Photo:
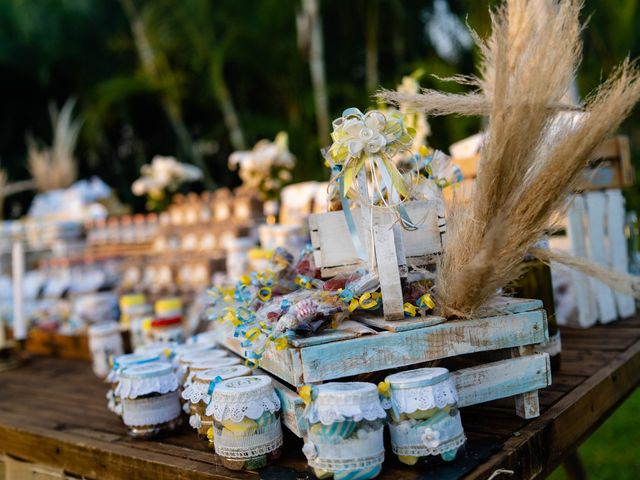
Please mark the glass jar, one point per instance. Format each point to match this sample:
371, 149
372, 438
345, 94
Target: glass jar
119, 363
105, 341
425, 422
150, 399
184, 360
344, 434
134, 310
166, 330
247, 432
198, 394
201, 365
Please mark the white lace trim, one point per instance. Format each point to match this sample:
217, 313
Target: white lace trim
242, 405
138, 412
425, 437
361, 450
197, 392
263, 441
440, 395
137, 387
333, 413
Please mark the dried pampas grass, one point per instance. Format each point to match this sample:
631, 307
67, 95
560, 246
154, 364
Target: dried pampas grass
531, 156
56, 166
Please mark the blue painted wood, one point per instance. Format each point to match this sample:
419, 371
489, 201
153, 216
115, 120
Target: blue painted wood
397, 349
400, 325
323, 337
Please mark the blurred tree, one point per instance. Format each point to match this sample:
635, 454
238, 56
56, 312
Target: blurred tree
229, 73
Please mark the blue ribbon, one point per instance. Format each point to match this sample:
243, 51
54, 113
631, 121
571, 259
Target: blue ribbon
355, 239
213, 383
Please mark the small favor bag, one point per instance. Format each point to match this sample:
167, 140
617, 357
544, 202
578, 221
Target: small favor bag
198, 394
425, 422
344, 436
246, 422
150, 402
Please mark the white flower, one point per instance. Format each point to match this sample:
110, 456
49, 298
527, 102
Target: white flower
310, 451
430, 438
195, 421
164, 173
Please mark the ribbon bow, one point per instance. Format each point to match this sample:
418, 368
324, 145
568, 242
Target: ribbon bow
213, 383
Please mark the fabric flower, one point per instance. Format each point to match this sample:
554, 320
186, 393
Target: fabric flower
430, 438
310, 451
195, 421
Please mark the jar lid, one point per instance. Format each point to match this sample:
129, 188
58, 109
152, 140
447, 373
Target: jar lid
421, 377
203, 365
191, 347
237, 398
421, 389
103, 329
139, 380
147, 370
338, 401
127, 359
132, 300
224, 372
166, 322
165, 305
209, 354
165, 349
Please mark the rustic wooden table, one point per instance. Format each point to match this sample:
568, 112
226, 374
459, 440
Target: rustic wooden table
54, 412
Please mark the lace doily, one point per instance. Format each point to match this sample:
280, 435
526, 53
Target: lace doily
362, 450
150, 411
199, 367
197, 392
128, 359
241, 397
264, 440
435, 436
336, 402
138, 380
422, 389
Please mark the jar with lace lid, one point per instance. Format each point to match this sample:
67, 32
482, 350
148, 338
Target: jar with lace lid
246, 422
344, 430
105, 342
425, 422
165, 350
150, 399
185, 360
119, 363
198, 394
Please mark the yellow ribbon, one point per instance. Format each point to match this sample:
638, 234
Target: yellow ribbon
264, 293
410, 310
425, 301
305, 394
281, 343
252, 334
383, 389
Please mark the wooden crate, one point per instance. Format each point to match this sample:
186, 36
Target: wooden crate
53, 344
512, 326
595, 223
394, 250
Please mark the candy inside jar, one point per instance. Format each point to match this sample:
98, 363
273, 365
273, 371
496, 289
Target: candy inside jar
425, 422
198, 393
344, 436
247, 432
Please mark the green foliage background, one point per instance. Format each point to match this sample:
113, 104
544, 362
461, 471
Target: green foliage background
55, 49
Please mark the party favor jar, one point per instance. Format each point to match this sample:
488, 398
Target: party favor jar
198, 394
246, 422
425, 422
104, 341
345, 423
120, 363
185, 360
150, 402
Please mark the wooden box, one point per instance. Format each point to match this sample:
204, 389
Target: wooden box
512, 326
53, 344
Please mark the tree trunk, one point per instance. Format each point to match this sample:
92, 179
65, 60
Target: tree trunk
372, 80
316, 64
225, 101
149, 62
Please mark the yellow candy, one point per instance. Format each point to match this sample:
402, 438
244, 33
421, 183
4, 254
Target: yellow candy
408, 460
240, 429
422, 414
322, 474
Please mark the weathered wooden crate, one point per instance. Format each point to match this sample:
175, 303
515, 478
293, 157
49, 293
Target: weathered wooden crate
513, 326
595, 224
394, 250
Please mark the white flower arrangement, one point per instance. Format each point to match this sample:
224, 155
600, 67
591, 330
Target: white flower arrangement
163, 175
267, 167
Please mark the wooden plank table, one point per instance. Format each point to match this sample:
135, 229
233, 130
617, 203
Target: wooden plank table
54, 412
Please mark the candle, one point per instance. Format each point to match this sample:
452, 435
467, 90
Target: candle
17, 265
